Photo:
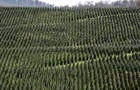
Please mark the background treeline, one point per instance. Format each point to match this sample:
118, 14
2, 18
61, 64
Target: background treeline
117, 3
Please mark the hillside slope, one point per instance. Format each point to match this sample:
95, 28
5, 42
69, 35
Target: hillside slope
69, 49
23, 3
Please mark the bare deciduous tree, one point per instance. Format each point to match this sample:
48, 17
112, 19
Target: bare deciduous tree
138, 2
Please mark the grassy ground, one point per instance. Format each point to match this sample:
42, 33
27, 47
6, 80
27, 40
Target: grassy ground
69, 49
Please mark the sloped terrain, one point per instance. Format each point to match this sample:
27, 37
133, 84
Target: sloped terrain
69, 49
23, 3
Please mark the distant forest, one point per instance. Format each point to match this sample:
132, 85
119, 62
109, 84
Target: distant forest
117, 3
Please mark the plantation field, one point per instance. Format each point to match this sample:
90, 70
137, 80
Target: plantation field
69, 49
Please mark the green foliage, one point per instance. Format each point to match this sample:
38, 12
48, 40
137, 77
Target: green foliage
69, 49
